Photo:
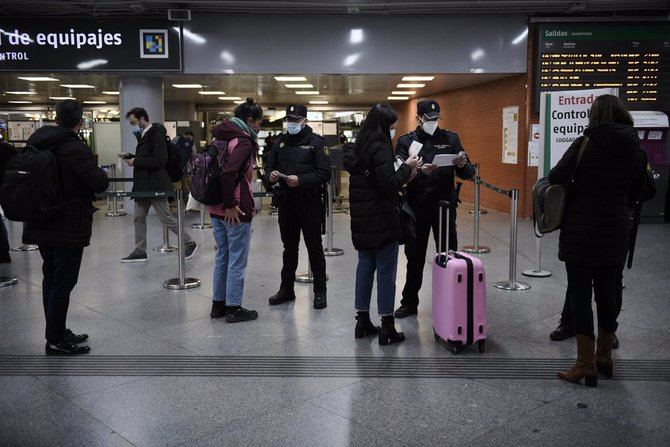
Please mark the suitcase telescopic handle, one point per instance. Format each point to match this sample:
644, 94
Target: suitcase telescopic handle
443, 231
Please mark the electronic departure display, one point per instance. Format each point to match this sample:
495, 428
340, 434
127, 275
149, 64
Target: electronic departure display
633, 57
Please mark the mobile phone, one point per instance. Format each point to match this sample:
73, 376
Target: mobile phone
126, 155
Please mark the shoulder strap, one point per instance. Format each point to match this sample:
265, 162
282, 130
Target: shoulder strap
582, 148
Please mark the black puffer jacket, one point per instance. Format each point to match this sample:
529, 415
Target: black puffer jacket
150, 173
373, 197
597, 222
80, 177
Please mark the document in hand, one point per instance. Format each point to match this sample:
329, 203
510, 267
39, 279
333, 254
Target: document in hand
445, 159
414, 148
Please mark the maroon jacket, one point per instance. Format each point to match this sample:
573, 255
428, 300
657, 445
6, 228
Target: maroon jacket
235, 184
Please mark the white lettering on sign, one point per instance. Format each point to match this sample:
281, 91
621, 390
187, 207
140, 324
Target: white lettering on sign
68, 39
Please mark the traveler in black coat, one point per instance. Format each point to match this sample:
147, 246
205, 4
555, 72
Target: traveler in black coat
61, 241
7, 151
596, 227
374, 193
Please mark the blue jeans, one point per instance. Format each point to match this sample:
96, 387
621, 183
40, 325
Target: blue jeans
385, 262
232, 252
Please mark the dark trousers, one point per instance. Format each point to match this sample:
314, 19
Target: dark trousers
302, 214
566, 314
61, 271
415, 250
4, 241
581, 279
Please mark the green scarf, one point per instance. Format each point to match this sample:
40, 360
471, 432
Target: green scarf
244, 126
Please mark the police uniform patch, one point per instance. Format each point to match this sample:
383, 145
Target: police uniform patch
281, 145
432, 106
292, 109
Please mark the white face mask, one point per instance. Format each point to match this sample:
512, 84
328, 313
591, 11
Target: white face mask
429, 127
392, 133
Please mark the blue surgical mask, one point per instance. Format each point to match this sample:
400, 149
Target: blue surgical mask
136, 129
293, 128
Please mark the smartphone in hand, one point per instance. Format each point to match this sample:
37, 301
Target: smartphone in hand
126, 155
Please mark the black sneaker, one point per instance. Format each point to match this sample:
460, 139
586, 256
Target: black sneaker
405, 311
5, 259
189, 250
135, 257
73, 338
320, 301
66, 348
615, 342
218, 309
236, 314
282, 297
564, 331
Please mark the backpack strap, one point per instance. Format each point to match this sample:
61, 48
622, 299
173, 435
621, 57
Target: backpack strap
580, 154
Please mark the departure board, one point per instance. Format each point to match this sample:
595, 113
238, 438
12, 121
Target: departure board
633, 57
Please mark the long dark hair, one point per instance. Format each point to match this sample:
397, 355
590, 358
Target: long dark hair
609, 109
376, 127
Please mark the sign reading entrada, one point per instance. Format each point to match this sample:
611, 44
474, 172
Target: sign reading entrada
89, 45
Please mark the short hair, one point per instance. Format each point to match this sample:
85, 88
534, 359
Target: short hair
69, 113
188, 132
609, 109
138, 112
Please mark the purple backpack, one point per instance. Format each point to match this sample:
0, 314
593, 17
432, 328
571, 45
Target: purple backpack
206, 172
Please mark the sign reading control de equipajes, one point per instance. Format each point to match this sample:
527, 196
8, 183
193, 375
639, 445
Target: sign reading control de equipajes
89, 45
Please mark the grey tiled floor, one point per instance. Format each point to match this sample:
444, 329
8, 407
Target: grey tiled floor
127, 312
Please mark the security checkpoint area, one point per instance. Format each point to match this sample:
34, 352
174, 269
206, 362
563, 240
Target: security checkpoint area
199, 331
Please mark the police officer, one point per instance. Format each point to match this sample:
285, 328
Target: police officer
426, 190
299, 167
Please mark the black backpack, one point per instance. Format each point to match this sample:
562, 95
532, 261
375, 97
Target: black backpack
30, 191
173, 165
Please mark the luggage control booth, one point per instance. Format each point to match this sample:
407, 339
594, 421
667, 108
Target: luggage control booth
652, 128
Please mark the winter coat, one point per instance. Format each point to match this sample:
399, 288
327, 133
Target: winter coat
80, 178
597, 222
150, 172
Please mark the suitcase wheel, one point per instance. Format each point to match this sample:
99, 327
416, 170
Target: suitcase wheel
453, 348
481, 344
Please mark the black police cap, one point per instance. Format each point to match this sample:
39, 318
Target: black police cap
429, 108
296, 111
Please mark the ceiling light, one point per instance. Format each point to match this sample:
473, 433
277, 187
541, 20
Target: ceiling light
109, 92
351, 59
356, 36
398, 92
477, 54
20, 102
239, 102
87, 65
94, 102
418, 78
21, 93
319, 102
411, 85
212, 92
307, 92
299, 86
290, 78
37, 78
61, 98
77, 86
229, 98
397, 98
187, 85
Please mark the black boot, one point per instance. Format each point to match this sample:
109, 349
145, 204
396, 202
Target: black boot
320, 301
405, 311
364, 326
388, 334
236, 314
73, 338
218, 309
284, 295
615, 342
564, 330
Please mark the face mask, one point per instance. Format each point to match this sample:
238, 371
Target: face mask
256, 128
392, 133
429, 127
136, 129
293, 128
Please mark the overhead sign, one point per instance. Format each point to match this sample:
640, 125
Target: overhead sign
564, 116
89, 45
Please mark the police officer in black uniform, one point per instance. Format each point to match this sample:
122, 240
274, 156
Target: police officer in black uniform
426, 190
299, 167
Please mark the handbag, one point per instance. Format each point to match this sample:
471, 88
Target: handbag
549, 200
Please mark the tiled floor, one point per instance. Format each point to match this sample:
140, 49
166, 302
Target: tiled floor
127, 312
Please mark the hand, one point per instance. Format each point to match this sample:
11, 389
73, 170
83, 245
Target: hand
232, 215
130, 161
413, 162
274, 176
461, 161
292, 181
428, 168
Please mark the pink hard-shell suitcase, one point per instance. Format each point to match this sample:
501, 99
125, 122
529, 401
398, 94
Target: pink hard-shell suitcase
459, 294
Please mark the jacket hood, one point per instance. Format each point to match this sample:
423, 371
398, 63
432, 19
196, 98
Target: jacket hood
616, 138
228, 130
156, 128
49, 137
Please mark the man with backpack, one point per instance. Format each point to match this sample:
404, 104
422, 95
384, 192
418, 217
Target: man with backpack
150, 174
7, 151
184, 143
61, 237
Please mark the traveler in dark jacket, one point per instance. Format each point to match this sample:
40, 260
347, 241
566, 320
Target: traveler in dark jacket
61, 241
374, 188
596, 228
432, 185
185, 144
150, 175
231, 219
7, 151
299, 167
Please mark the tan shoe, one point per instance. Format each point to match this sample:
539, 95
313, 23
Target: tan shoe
585, 366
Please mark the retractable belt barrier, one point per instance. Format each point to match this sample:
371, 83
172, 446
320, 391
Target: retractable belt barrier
181, 282
475, 247
330, 228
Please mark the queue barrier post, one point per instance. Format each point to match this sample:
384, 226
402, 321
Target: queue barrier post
476, 210
511, 283
330, 230
537, 272
307, 277
25, 247
475, 247
7, 281
181, 282
166, 247
202, 225
114, 211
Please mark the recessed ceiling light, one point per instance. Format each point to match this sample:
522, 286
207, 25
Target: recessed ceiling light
187, 85
21, 93
107, 92
94, 102
239, 102
318, 101
299, 86
307, 92
61, 98
397, 98
411, 85
77, 86
37, 78
212, 92
418, 78
398, 92
20, 102
229, 98
290, 78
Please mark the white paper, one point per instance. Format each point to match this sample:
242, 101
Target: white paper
445, 159
414, 148
510, 137
655, 134
534, 145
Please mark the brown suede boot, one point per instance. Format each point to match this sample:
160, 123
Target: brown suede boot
604, 353
585, 366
